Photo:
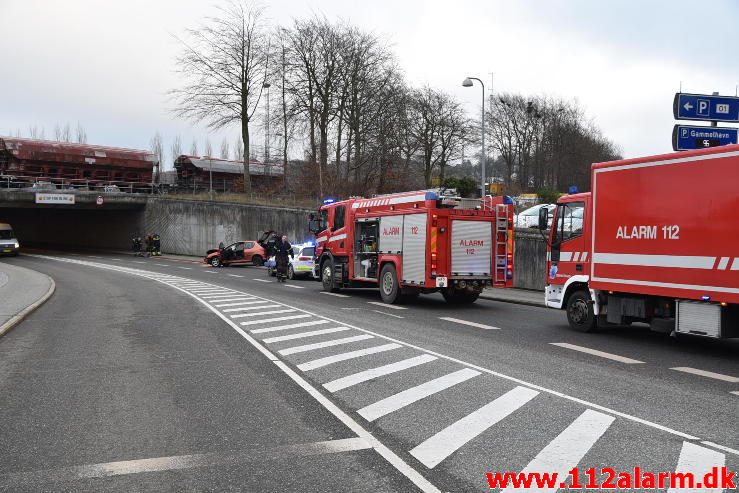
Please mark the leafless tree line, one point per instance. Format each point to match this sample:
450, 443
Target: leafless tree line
544, 143
340, 100
62, 133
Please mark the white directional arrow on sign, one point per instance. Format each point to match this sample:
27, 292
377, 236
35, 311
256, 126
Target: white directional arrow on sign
688, 106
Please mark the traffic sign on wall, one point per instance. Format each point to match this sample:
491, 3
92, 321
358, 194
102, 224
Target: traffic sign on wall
705, 107
687, 137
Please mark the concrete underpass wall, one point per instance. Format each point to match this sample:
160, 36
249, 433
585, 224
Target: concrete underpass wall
191, 228
89, 228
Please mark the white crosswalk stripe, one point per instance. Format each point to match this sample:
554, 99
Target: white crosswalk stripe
301, 335
223, 300
699, 461
328, 360
276, 319
414, 394
325, 344
247, 301
568, 448
371, 374
290, 326
253, 305
441, 445
260, 314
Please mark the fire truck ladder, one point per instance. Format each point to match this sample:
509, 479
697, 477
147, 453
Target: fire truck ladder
501, 244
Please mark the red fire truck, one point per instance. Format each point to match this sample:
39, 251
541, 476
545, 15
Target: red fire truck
415, 242
654, 242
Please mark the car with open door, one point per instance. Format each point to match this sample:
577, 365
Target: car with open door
245, 252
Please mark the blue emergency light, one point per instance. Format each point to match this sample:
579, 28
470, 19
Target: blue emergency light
329, 200
572, 190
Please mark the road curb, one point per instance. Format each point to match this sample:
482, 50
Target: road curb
514, 301
20, 316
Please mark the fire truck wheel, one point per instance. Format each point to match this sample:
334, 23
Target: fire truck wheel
389, 289
580, 312
327, 276
215, 262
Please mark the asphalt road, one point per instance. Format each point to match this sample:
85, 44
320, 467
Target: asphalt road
150, 358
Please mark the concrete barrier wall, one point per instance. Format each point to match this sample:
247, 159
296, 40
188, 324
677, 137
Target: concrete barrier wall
529, 259
192, 228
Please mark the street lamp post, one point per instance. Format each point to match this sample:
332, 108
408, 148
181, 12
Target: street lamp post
468, 83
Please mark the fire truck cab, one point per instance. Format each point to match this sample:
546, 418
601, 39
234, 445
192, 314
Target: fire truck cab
415, 242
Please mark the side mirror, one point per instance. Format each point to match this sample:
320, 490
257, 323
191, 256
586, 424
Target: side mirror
543, 218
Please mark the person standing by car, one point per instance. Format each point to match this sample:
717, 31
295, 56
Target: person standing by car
284, 248
157, 244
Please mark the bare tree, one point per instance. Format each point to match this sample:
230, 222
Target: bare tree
35, 133
238, 149
175, 148
156, 147
225, 149
194, 147
80, 134
208, 148
225, 65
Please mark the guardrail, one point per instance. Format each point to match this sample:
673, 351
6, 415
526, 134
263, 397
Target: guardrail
47, 184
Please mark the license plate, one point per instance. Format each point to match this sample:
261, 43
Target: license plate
441, 282
7, 250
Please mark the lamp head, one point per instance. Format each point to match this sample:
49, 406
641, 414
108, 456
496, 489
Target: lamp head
467, 82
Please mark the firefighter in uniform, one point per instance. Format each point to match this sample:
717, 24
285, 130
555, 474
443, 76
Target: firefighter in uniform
156, 245
284, 248
136, 245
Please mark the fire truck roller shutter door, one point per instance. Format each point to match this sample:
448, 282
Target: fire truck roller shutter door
471, 241
414, 248
391, 234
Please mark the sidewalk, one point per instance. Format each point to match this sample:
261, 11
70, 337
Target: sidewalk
21, 292
515, 295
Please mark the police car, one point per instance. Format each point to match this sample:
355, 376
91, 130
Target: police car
301, 265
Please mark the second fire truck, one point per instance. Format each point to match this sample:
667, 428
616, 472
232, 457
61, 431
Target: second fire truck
416, 242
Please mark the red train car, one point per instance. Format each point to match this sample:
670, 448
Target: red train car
45, 160
197, 173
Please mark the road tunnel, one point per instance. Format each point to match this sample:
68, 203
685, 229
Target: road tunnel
86, 223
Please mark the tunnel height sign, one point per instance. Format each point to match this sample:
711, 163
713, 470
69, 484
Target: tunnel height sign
55, 198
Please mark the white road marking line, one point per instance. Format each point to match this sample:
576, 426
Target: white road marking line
138, 262
338, 295
209, 294
300, 335
245, 302
247, 308
372, 373
290, 326
205, 290
699, 461
595, 352
234, 275
262, 280
328, 360
221, 300
388, 314
709, 374
471, 324
735, 392
179, 462
259, 314
116, 259
414, 394
162, 265
444, 443
390, 456
186, 268
276, 319
568, 448
386, 305
211, 272
721, 447
325, 344
293, 286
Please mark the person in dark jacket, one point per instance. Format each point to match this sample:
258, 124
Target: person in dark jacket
284, 249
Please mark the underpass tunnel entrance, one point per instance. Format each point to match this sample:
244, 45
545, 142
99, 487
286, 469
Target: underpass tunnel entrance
63, 228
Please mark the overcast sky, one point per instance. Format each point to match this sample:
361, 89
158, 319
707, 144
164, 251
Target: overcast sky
109, 64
